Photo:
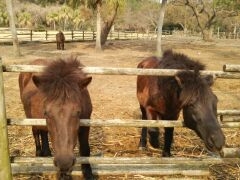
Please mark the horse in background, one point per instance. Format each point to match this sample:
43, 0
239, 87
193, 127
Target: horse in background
60, 39
59, 94
164, 97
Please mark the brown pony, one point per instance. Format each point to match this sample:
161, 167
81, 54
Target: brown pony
60, 39
164, 97
59, 94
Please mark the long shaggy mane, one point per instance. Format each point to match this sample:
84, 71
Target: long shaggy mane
195, 87
61, 79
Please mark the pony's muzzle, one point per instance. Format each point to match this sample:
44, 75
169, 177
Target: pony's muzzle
65, 162
216, 141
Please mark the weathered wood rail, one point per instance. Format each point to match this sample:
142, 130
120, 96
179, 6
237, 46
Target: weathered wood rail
117, 123
123, 71
125, 165
231, 68
108, 165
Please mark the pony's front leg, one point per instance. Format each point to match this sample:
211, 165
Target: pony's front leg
143, 139
58, 45
168, 138
45, 144
62, 45
153, 131
83, 136
36, 135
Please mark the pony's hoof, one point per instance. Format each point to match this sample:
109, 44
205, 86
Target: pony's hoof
154, 143
63, 176
46, 154
38, 153
166, 154
142, 148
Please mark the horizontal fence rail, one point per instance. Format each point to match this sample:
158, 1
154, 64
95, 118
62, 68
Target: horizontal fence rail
122, 71
132, 160
125, 165
117, 123
231, 68
116, 169
129, 122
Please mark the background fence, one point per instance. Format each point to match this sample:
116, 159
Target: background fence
112, 165
25, 35
28, 35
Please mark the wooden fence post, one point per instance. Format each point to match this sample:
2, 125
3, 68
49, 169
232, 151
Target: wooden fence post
93, 35
31, 34
5, 167
72, 34
46, 35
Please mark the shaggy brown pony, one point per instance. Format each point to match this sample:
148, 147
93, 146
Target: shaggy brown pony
60, 39
164, 97
59, 94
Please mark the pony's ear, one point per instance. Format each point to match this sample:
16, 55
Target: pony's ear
179, 81
209, 79
37, 80
84, 82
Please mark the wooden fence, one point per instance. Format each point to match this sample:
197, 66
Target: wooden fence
25, 35
28, 35
113, 165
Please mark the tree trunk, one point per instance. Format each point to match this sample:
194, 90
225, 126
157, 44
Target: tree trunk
160, 25
108, 25
98, 46
11, 15
205, 19
207, 34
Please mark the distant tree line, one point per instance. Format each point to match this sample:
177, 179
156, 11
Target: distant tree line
139, 15
203, 16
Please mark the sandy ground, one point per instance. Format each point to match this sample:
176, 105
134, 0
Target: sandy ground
115, 97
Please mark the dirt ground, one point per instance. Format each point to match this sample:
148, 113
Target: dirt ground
115, 97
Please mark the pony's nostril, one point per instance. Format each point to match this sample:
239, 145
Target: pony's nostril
55, 162
74, 161
211, 141
212, 138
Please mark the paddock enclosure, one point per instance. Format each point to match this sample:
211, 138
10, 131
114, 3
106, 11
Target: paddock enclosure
114, 98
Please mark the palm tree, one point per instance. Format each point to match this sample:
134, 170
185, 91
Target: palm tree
52, 18
77, 19
3, 17
11, 16
25, 19
65, 14
102, 31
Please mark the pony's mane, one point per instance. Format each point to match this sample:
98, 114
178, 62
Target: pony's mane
61, 79
195, 87
172, 60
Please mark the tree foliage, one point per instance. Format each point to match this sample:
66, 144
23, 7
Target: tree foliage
140, 15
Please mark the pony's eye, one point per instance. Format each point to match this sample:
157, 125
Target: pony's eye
78, 113
45, 113
191, 106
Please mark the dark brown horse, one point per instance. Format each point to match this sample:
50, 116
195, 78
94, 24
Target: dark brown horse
60, 95
164, 98
60, 39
